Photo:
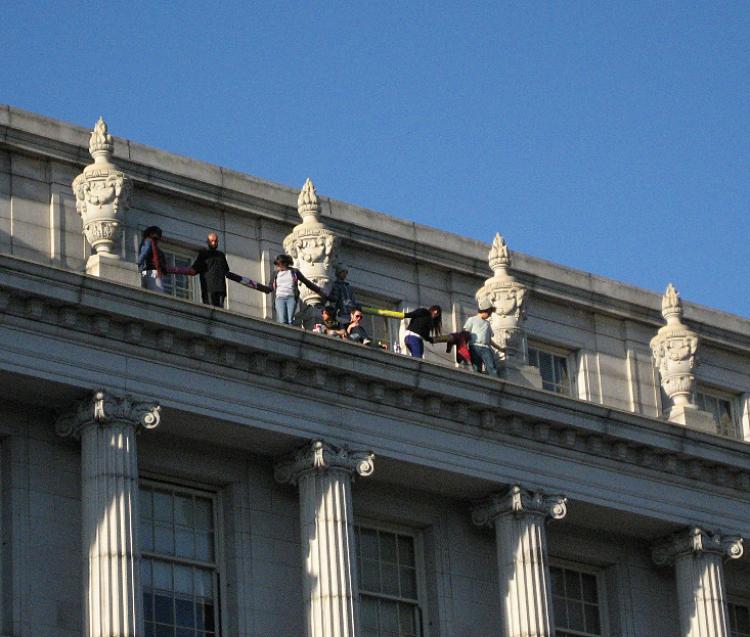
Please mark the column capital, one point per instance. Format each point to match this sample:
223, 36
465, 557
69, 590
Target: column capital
693, 541
519, 501
102, 408
322, 456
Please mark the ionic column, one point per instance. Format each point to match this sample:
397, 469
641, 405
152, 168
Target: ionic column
697, 556
519, 518
324, 475
109, 499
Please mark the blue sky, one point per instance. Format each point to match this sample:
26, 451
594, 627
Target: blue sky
612, 137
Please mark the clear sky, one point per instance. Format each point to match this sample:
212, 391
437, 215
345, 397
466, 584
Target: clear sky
612, 137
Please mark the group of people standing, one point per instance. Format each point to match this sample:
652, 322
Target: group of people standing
342, 316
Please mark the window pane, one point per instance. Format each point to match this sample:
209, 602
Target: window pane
148, 606
184, 542
406, 619
390, 578
575, 615
588, 582
183, 579
162, 507
388, 547
146, 536
162, 576
164, 609
203, 514
369, 610
370, 574
204, 546
389, 616
368, 543
572, 585
183, 510
561, 612
145, 502
405, 551
164, 539
591, 614
185, 611
408, 582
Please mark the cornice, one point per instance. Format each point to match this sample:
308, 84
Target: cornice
207, 183
125, 318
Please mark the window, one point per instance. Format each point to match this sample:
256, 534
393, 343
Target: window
739, 620
180, 286
388, 583
576, 601
721, 407
379, 328
553, 365
178, 571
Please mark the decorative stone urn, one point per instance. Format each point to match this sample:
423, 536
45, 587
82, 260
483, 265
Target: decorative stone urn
508, 298
102, 196
674, 349
313, 247
102, 192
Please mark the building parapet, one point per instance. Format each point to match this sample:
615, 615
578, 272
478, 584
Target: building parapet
125, 319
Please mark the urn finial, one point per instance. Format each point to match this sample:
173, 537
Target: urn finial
101, 143
671, 305
307, 202
499, 256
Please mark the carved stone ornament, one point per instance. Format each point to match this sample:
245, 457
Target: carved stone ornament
101, 408
693, 541
674, 348
102, 193
312, 245
321, 456
508, 298
519, 501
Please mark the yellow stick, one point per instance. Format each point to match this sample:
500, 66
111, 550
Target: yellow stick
378, 312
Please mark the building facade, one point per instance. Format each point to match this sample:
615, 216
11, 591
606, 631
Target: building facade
173, 469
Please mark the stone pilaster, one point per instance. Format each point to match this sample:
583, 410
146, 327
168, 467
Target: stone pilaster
508, 299
674, 349
107, 427
324, 475
102, 197
698, 556
519, 518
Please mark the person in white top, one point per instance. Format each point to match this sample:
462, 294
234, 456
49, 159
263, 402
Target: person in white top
285, 286
481, 339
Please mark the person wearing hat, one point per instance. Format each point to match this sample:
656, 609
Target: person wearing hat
342, 295
481, 339
285, 287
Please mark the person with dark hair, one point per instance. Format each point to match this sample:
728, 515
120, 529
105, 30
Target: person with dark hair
285, 287
425, 324
330, 325
151, 262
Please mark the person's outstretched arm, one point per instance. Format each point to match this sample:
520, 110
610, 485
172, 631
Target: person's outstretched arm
247, 282
302, 278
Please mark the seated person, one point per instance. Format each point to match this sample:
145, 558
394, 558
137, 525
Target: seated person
355, 331
330, 325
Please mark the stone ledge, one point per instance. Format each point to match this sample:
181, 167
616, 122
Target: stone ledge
205, 182
223, 343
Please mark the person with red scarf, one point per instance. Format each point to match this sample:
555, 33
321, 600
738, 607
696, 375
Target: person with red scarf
151, 261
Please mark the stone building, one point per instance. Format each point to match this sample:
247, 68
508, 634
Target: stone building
169, 468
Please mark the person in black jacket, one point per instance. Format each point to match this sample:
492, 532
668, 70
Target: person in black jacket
212, 268
425, 324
